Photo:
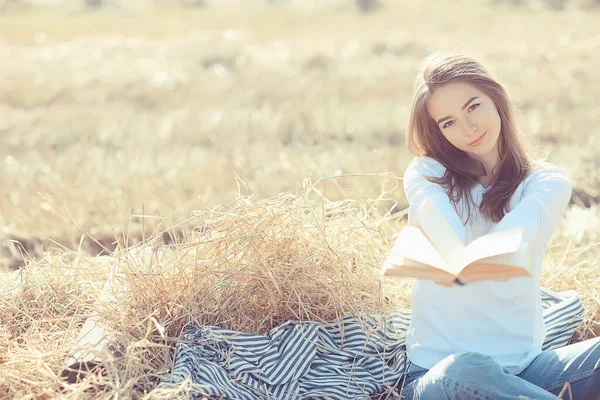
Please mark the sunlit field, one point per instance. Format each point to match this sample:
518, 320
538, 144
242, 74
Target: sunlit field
259, 142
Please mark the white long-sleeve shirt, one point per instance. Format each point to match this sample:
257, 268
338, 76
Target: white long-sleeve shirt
501, 319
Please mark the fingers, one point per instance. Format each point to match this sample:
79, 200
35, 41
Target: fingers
450, 284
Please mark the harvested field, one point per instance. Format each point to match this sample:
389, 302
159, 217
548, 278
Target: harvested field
239, 164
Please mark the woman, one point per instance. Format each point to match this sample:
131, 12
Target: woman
483, 340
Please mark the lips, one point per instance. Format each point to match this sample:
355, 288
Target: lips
478, 140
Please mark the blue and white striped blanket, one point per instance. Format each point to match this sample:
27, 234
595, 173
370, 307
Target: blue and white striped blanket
359, 357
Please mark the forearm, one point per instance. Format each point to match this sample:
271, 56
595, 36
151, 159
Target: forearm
544, 201
418, 188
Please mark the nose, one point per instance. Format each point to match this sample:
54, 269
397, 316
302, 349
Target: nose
470, 126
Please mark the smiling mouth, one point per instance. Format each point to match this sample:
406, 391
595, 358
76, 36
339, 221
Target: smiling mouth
478, 140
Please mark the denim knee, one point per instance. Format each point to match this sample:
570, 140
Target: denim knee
457, 365
458, 376
471, 357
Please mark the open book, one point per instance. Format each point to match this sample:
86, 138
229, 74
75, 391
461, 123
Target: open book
434, 251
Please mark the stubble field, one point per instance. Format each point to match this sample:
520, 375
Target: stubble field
283, 122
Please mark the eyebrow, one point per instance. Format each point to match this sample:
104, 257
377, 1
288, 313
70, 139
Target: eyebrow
462, 108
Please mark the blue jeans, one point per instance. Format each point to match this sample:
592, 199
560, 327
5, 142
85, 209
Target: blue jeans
475, 376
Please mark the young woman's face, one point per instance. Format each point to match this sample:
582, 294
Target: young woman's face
468, 118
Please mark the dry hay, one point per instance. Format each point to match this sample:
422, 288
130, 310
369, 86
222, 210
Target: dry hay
249, 266
572, 264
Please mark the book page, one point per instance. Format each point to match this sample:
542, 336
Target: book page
442, 236
413, 244
508, 265
414, 269
493, 244
401, 266
492, 272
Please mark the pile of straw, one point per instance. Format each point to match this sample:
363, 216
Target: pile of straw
249, 266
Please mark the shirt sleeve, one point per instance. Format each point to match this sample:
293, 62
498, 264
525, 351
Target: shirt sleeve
546, 194
417, 189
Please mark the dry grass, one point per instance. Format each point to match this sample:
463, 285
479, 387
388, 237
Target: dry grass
136, 133
249, 266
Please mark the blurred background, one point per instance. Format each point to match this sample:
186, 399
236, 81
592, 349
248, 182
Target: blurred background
118, 117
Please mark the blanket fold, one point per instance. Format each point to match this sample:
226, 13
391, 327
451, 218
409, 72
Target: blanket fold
358, 357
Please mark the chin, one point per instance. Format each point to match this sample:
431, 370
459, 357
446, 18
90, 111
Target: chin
479, 151
484, 148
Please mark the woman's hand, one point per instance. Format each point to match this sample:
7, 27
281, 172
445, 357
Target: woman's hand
450, 284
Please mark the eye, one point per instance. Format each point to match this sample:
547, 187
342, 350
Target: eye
447, 124
473, 106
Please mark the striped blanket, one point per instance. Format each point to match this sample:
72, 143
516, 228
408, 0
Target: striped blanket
359, 357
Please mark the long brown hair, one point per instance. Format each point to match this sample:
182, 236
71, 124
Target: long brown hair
424, 137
